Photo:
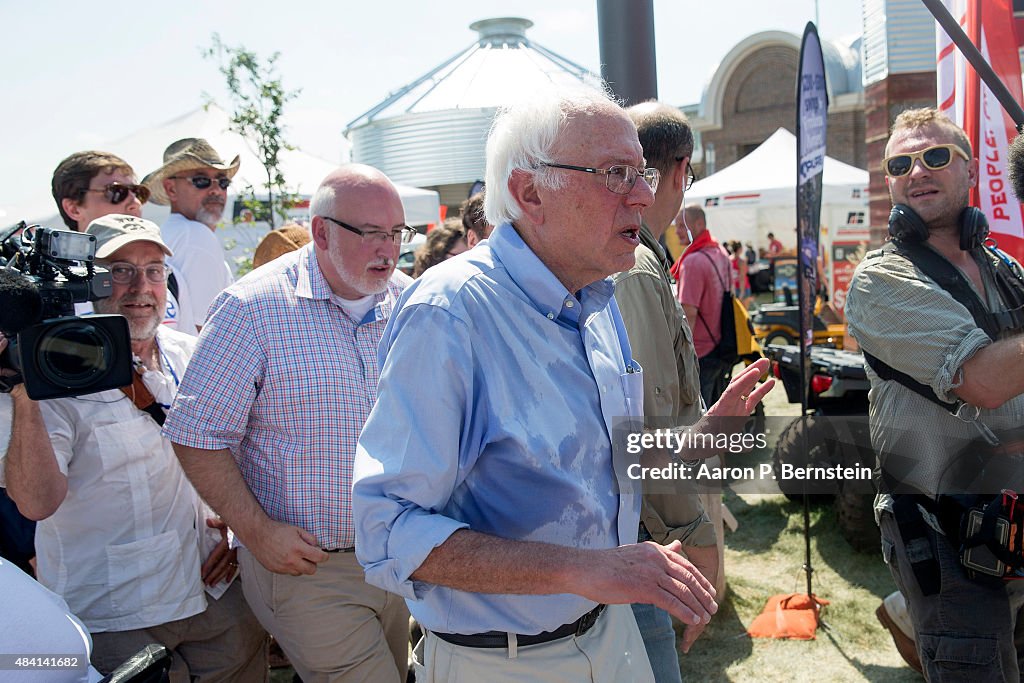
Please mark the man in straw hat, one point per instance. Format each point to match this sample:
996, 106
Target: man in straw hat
194, 180
122, 535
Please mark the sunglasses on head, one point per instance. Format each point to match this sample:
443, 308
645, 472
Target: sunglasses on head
201, 182
116, 193
934, 158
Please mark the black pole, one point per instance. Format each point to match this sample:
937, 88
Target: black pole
808, 569
626, 30
977, 60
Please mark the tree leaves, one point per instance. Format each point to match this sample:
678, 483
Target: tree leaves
258, 98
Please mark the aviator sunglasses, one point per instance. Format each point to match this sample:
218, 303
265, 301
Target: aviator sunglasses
116, 193
201, 182
934, 158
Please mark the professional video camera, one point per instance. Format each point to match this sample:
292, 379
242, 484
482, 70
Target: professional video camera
44, 273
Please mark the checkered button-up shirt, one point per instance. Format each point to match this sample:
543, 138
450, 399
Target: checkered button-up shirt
285, 379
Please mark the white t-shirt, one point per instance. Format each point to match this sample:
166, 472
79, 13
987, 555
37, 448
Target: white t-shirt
355, 308
123, 547
35, 621
199, 262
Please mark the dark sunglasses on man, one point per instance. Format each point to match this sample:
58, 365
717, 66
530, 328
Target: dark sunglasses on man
201, 182
116, 193
934, 158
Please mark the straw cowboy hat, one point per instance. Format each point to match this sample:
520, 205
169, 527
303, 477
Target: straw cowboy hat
185, 155
279, 242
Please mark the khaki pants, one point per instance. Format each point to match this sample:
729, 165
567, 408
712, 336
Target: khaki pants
332, 625
223, 643
611, 652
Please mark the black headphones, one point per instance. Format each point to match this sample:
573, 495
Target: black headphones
906, 226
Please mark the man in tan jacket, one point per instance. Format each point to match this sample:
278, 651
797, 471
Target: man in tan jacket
663, 344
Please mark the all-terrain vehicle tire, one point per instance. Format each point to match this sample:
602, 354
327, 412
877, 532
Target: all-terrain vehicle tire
779, 338
789, 451
856, 518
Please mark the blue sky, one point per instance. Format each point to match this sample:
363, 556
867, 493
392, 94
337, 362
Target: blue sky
78, 74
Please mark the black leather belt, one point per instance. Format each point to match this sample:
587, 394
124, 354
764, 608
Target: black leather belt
495, 639
340, 550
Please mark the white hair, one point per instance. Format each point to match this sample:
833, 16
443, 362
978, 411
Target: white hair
522, 137
322, 203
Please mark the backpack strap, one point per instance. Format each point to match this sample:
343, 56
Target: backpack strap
172, 287
719, 275
947, 276
888, 372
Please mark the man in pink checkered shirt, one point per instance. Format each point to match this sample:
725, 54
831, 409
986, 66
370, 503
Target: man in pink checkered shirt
267, 420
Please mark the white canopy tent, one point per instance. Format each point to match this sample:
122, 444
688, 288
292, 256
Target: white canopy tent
303, 172
757, 195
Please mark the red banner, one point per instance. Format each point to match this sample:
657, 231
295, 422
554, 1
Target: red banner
967, 100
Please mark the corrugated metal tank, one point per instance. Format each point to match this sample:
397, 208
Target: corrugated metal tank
899, 37
432, 132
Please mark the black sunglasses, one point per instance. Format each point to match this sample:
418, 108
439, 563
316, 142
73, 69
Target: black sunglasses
201, 182
116, 193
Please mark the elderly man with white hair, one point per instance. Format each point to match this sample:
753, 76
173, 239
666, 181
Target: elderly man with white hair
485, 485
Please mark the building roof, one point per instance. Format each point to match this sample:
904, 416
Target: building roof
498, 68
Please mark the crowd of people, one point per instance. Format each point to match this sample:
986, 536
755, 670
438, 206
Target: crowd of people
326, 446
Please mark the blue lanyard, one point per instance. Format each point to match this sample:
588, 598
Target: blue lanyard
170, 368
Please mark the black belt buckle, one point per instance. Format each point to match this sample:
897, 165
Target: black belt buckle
588, 620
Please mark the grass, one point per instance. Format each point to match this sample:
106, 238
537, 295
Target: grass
765, 556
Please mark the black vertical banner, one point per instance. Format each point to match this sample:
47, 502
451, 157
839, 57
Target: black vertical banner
811, 127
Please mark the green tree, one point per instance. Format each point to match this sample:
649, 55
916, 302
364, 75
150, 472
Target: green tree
258, 99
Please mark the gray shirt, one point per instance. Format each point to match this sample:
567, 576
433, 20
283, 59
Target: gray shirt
904, 318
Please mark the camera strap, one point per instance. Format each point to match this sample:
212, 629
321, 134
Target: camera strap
142, 398
8, 382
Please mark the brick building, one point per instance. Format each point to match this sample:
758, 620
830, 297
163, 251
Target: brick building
752, 93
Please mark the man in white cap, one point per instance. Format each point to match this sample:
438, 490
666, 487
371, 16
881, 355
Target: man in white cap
194, 180
122, 535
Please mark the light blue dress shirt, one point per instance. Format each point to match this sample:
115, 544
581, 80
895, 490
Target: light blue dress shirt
498, 397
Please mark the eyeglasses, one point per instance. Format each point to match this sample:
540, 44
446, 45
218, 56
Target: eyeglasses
691, 175
934, 158
116, 193
403, 235
201, 182
124, 273
619, 178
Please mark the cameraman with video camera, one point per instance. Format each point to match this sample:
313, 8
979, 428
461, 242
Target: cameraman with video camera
938, 316
122, 535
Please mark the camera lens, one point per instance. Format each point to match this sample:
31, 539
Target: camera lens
74, 353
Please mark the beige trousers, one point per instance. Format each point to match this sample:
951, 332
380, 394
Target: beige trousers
224, 643
332, 625
611, 652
